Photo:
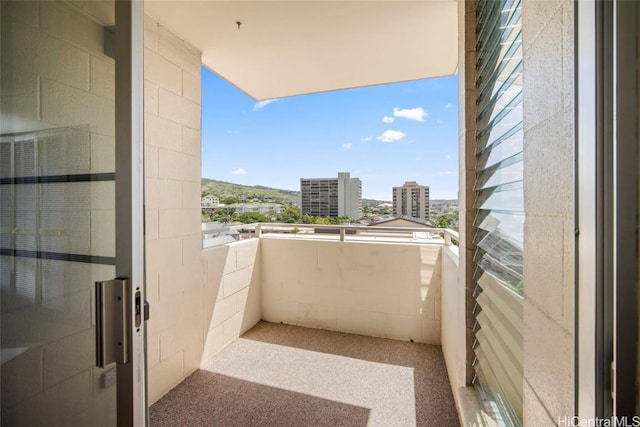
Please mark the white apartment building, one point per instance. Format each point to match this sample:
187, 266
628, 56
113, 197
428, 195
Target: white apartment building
211, 202
411, 200
331, 197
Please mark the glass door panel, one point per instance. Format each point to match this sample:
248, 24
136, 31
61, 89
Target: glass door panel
57, 210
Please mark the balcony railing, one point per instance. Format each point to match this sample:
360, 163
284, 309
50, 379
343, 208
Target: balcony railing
355, 232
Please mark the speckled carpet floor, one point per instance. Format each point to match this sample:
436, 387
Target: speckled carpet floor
281, 375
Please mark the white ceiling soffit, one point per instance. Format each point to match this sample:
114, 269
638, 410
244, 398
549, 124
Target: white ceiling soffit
284, 48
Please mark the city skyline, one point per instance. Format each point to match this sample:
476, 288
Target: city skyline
385, 135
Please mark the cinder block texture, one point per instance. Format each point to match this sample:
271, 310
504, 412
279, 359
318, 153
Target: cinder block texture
378, 289
175, 265
231, 299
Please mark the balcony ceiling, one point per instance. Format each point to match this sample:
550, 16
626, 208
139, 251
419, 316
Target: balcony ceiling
286, 48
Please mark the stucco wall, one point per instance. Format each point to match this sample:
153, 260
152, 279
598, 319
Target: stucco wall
549, 253
378, 289
172, 198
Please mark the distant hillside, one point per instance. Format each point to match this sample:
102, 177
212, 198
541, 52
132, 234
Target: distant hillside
276, 195
372, 202
247, 192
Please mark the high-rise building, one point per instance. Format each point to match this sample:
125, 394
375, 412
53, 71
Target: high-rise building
331, 197
411, 200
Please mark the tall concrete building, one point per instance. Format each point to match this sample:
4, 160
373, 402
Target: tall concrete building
411, 200
331, 197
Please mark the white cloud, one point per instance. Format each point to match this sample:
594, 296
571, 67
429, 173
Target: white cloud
366, 138
449, 105
439, 121
418, 114
262, 104
391, 135
239, 171
387, 119
347, 146
453, 172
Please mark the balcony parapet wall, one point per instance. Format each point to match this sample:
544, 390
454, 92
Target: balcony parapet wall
385, 285
389, 289
231, 304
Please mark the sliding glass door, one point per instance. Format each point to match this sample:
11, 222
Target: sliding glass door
59, 186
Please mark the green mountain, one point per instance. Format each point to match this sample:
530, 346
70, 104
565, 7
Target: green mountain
246, 193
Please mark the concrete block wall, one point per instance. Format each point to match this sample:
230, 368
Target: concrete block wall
549, 252
231, 303
453, 318
378, 289
175, 287
467, 170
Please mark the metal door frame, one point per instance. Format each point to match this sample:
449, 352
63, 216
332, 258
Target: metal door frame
607, 209
131, 377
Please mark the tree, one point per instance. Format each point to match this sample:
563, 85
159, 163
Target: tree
223, 215
446, 220
251, 217
441, 222
308, 219
290, 214
230, 200
321, 220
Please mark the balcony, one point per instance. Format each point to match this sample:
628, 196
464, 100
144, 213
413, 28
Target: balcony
328, 325
58, 76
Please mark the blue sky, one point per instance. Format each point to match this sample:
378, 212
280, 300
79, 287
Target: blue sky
384, 135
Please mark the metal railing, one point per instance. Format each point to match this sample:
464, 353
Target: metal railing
449, 236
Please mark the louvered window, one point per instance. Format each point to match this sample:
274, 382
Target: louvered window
499, 206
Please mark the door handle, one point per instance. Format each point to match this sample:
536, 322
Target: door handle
113, 321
